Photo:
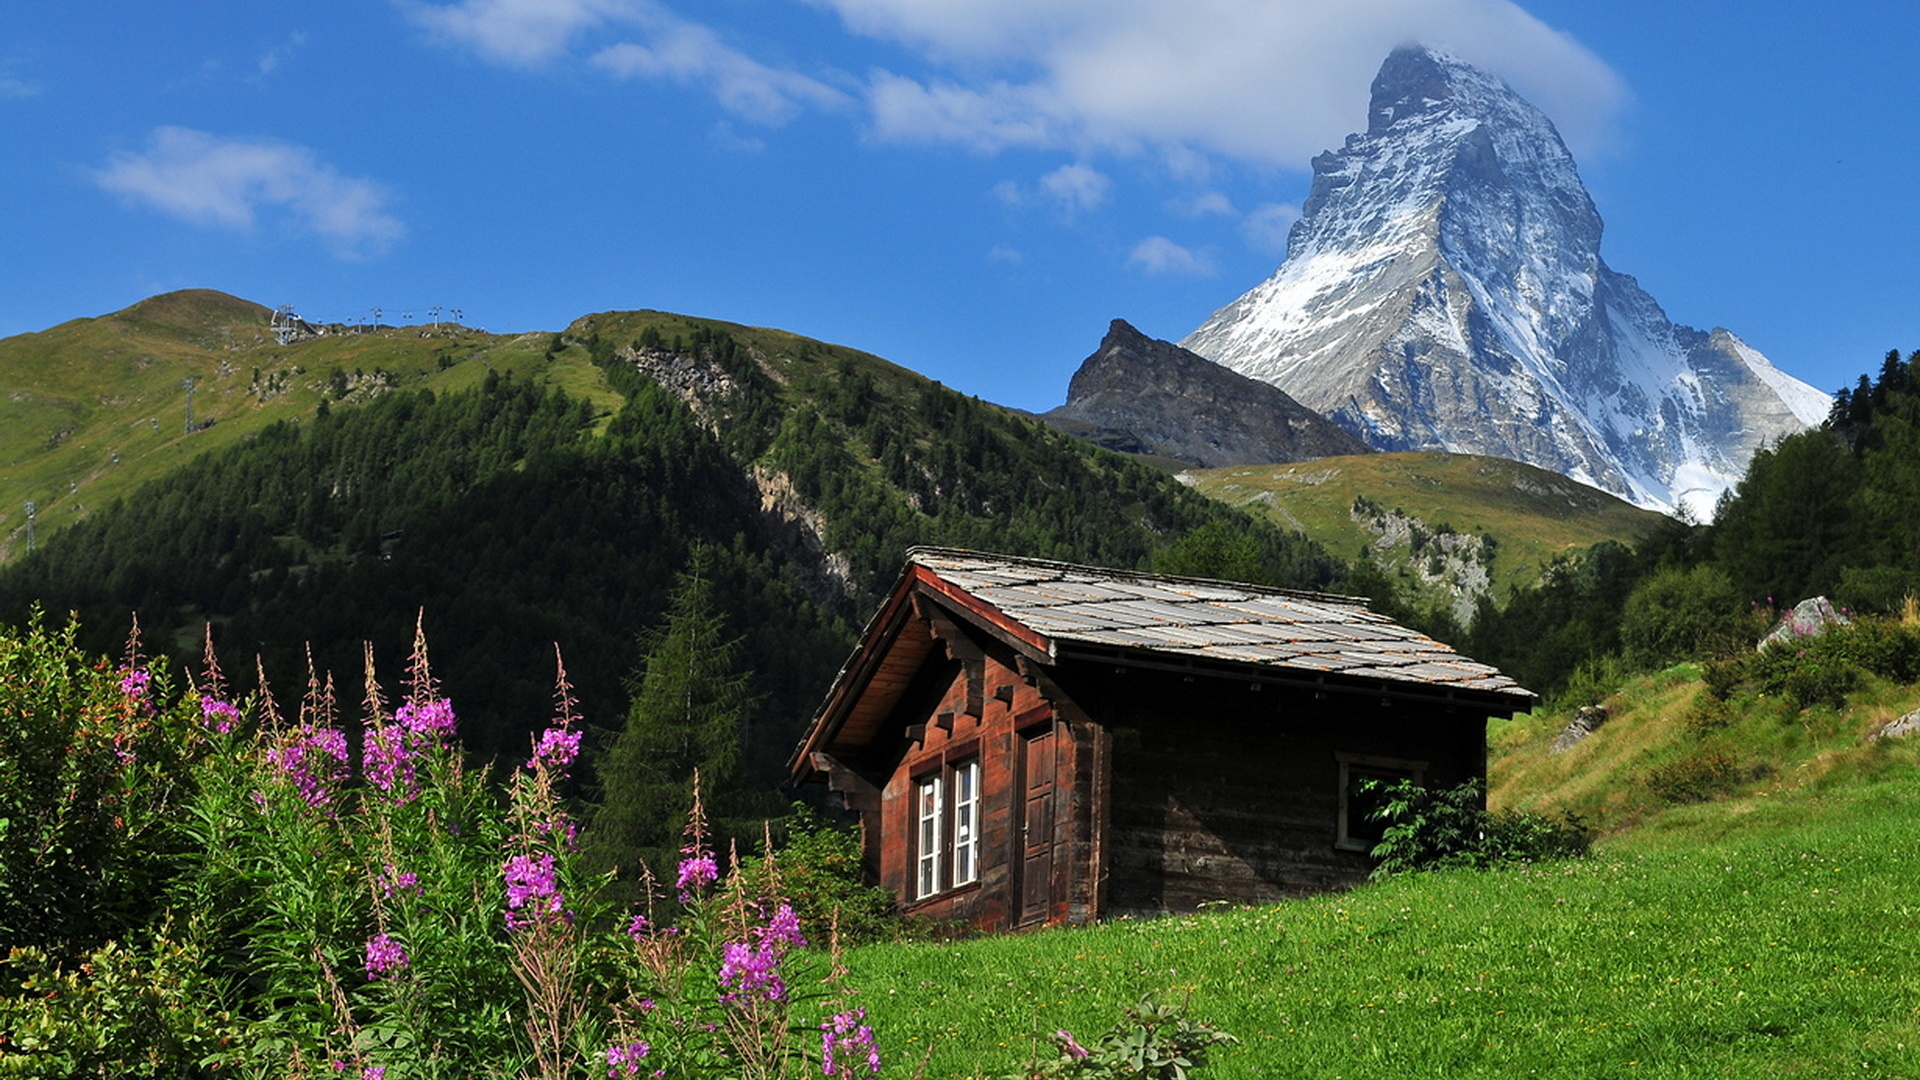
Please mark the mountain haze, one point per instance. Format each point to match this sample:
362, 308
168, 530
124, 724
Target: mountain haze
1443, 289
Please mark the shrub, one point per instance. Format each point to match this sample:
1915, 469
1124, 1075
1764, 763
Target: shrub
1153, 1042
819, 865
1679, 614
1433, 828
1698, 777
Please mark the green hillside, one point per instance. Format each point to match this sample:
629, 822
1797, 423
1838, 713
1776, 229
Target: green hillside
532, 490
1449, 528
93, 408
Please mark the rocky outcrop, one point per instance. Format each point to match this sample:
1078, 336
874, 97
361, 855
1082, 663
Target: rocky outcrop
1138, 395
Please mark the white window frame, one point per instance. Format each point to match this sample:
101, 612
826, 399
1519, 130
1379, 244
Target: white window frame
1368, 764
946, 828
929, 802
966, 822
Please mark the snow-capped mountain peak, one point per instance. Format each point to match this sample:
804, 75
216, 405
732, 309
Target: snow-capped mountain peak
1443, 289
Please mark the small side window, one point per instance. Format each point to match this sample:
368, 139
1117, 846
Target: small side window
1356, 830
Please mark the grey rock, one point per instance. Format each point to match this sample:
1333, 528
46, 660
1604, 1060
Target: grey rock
1905, 725
1809, 618
1139, 395
1584, 723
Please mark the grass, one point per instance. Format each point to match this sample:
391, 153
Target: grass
1785, 942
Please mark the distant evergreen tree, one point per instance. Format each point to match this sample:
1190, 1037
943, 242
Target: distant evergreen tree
691, 701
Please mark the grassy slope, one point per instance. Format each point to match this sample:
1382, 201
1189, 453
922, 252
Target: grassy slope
80, 392
1533, 514
1774, 932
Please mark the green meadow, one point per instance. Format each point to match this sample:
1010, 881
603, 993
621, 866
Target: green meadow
1773, 933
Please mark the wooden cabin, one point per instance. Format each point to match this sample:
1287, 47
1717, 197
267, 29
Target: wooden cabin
1032, 742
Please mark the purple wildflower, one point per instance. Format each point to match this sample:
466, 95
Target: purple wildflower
751, 971
696, 873
218, 716
845, 1038
389, 763
134, 683
637, 929
1068, 1045
374, 1072
385, 956
531, 885
393, 880
784, 929
557, 748
623, 1062
430, 722
313, 760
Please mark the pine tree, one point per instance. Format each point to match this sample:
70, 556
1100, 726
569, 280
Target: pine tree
691, 701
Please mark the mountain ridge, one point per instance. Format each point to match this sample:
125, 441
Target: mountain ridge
1139, 395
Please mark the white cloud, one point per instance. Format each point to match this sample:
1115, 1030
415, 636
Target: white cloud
208, 180
1266, 228
1207, 204
691, 54
1161, 256
1076, 187
518, 33
16, 88
1266, 81
1001, 253
529, 33
273, 58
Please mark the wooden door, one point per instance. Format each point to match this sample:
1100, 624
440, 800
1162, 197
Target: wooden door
1037, 826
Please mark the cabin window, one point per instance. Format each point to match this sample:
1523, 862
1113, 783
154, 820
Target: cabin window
927, 807
1357, 831
946, 829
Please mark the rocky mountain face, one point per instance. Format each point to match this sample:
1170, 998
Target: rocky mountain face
1443, 289
1137, 395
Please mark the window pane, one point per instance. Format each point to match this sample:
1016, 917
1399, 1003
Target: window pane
927, 850
966, 822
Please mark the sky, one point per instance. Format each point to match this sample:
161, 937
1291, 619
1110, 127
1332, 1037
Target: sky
970, 188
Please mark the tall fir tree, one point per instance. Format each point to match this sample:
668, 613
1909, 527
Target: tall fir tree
691, 702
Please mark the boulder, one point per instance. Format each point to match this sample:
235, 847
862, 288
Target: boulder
1584, 723
1905, 725
1809, 618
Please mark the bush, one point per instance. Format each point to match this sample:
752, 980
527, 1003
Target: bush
1679, 615
1698, 777
1434, 828
820, 872
1153, 1042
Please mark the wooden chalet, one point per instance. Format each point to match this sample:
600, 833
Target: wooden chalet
1033, 742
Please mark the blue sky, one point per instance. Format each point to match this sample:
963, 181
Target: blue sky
971, 188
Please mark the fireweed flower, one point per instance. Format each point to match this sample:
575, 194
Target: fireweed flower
385, 957
783, 929
637, 929
532, 886
1069, 1045
135, 684
313, 760
431, 721
623, 1062
750, 971
393, 750
697, 871
845, 1040
557, 748
218, 716
393, 880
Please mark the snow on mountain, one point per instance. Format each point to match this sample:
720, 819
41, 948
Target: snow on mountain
1443, 289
